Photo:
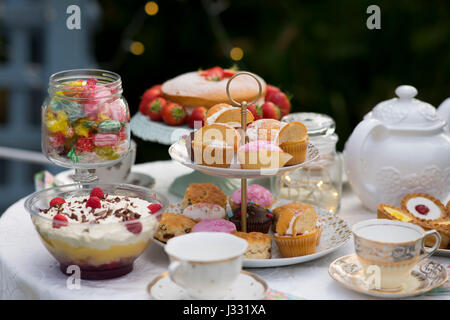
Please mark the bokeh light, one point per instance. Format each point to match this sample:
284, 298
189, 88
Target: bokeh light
137, 48
236, 53
151, 8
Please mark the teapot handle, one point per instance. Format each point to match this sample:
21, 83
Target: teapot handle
352, 157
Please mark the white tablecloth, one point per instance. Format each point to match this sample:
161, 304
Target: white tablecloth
28, 271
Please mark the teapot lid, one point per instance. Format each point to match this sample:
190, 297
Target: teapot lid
406, 112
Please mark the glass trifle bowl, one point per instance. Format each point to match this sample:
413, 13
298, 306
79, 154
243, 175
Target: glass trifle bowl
101, 228
85, 121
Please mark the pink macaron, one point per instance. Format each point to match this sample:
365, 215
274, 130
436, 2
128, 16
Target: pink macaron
214, 225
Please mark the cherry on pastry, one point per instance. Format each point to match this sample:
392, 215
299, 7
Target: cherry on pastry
154, 207
94, 203
59, 221
97, 192
57, 201
422, 209
134, 227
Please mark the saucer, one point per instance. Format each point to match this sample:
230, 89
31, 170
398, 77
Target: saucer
426, 275
247, 286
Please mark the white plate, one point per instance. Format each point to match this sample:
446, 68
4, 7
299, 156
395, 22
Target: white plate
336, 232
247, 286
136, 178
426, 275
154, 131
179, 153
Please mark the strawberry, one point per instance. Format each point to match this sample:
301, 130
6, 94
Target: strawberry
216, 74
256, 111
282, 101
270, 111
94, 203
154, 207
134, 227
148, 96
57, 201
155, 107
59, 221
199, 114
174, 114
270, 91
97, 192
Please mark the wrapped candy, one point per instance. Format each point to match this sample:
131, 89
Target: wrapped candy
58, 123
105, 139
56, 141
109, 126
106, 153
85, 145
73, 110
81, 129
116, 110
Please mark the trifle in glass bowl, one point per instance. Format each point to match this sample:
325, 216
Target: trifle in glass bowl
101, 228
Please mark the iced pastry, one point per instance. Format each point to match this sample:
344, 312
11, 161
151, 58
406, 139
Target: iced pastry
259, 219
255, 193
204, 210
262, 154
214, 225
423, 206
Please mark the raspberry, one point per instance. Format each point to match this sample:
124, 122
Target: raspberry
57, 201
134, 227
59, 221
94, 203
154, 207
97, 192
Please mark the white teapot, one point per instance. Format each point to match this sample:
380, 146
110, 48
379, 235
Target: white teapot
400, 147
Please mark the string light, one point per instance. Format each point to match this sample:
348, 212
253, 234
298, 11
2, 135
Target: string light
236, 53
137, 48
151, 8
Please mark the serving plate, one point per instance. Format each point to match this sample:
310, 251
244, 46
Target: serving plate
336, 232
179, 153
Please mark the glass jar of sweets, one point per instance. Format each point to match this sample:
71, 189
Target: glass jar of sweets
85, 121
320, 182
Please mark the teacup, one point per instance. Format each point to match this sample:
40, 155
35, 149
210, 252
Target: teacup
118, 172
205, 264
390, 250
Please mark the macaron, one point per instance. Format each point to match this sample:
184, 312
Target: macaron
214, 225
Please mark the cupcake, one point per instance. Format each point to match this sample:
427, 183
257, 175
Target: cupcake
215, 145
262, 155
255, 193
297, 232
204, 210
293, 139
259, 219
290, 206
264, 129
204, 193
214, 225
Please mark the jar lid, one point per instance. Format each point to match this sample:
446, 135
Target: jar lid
406, 112
317, 124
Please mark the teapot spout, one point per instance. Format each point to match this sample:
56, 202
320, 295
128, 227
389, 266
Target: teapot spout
444, 111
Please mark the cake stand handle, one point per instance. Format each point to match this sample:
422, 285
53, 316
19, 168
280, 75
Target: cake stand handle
244, 139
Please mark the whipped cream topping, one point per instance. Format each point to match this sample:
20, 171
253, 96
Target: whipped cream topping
98, 228
433, 213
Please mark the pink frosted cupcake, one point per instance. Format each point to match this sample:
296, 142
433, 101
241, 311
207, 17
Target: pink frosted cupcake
255, 193
214, 225
262, 154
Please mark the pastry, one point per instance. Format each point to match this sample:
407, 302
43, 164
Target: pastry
448, 208
208, 88
215, 145
172, 225
297, 232
443, 227
385, 211
214, 225
255, 193
259, 219
264, 129
293, 139
262, 155
259, 244
204, 210
423, 206
204, 192
291, 206
225, 113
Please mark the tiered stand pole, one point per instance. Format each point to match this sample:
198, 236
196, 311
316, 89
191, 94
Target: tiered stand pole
244, 140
